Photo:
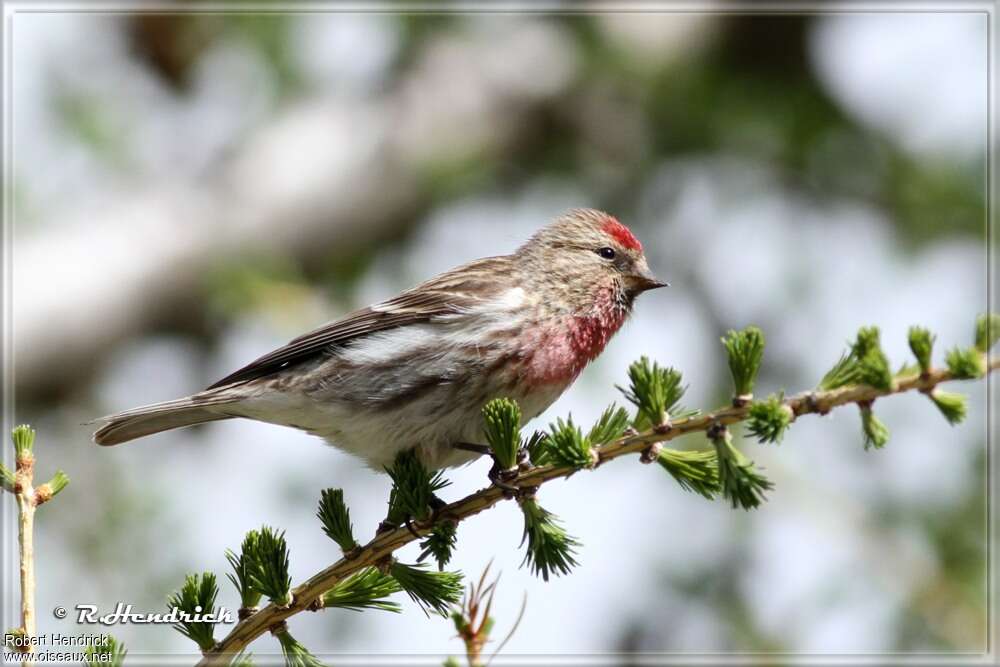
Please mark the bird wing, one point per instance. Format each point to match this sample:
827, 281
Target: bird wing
451, 293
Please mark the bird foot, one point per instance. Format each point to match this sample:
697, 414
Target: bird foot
437, 506
437, 509
385, 526
500, 477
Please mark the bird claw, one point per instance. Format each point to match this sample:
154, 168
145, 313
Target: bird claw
437, 509
524, 459
385, 526
651, 453
498, 476
436, 503
501, 478
436, 506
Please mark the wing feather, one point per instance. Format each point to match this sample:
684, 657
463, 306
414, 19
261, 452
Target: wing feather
451, 293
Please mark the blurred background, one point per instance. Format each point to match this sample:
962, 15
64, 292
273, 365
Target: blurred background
192, 190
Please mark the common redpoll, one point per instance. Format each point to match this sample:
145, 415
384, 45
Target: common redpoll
416, 370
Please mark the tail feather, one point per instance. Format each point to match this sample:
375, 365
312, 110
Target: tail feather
155, 418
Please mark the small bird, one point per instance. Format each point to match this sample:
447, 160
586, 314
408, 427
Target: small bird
415, 371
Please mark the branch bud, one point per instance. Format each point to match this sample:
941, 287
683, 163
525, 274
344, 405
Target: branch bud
24, 441
49, 489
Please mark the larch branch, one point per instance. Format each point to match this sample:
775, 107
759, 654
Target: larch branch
385, 544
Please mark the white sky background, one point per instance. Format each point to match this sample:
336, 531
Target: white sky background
808, 274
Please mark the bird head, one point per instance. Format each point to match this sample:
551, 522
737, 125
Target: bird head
586, 253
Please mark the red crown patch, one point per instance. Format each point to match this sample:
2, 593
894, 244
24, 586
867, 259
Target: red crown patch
621, 233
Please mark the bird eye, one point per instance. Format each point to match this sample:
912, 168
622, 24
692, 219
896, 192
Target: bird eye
606, 253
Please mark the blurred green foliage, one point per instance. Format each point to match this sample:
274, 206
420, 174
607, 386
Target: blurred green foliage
747, 88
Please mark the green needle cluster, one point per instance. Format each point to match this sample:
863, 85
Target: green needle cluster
550, 549
745, 350
654, 391
197, 596
267, 566
770, 419
413, 488
876, 433
921, 342
365, 589
695, 471
567, 445
440, 542
953, 406
864, 364
295, 654
23, 438
428, 588
538, 448
740, 481
24, 441
249, 596
336, 519
987, 332
502, 425
611, 426
965, 363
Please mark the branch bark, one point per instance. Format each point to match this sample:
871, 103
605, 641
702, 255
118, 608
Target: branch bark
383, 545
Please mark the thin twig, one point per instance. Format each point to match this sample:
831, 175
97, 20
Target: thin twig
472, 634
383, 545
24, 492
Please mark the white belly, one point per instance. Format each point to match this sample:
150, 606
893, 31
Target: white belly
375, 419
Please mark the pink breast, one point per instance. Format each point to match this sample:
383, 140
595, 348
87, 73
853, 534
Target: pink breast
562, 351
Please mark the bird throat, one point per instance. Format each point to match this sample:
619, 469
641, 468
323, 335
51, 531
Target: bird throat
562, 351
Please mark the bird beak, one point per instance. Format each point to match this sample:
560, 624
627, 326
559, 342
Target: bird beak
643, 280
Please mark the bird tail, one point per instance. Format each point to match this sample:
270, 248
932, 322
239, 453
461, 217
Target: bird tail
165, 416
